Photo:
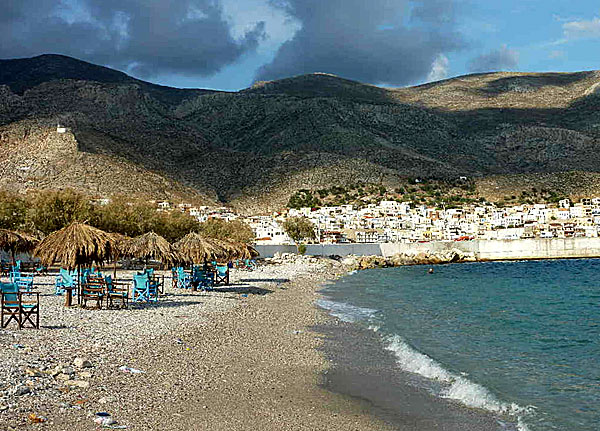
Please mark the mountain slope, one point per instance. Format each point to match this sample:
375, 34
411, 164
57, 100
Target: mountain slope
254, 147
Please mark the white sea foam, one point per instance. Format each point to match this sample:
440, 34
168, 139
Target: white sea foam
346, 312
455, 387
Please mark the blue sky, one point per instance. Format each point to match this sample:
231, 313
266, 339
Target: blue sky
228, 44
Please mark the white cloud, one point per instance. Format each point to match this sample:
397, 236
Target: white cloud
582, 29
439, 68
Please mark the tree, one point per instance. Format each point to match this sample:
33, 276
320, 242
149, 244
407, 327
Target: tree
174, 225
53, 210
234, 230
299, 229
121, 215
13, 211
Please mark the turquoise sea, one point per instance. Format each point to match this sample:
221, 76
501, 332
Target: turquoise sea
521, 339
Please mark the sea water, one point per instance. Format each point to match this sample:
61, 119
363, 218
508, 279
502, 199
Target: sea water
521, 339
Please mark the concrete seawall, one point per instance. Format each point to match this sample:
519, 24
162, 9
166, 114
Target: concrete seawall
551, 248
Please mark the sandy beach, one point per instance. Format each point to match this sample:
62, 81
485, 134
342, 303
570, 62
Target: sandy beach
238, 358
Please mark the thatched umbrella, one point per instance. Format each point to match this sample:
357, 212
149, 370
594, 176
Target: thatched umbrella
151, 246
16, 242
250, 252
75, 245
195, 248
242, 250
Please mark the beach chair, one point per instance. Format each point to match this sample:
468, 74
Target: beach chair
24, 282
29, 309
10, 305
222, 274
93, 290
22, 307
116, 292
184, 281
153, 289
203, 278
15, 271
63, 281
141, 288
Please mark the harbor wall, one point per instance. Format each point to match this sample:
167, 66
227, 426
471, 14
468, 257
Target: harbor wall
538, 248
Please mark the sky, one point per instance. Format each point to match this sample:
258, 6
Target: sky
230, 44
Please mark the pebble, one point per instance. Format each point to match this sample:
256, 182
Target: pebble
78, 384
82, 363
21, 390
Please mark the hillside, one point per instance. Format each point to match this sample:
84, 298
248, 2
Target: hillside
255, 147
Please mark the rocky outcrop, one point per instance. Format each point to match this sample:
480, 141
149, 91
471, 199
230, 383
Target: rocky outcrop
416, 258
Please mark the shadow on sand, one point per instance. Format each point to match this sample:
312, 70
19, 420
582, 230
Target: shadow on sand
265, 280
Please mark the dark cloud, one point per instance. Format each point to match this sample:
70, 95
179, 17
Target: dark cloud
378, 41
499, 59
147, 38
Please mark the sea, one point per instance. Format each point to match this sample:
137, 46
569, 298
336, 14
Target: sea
517, 340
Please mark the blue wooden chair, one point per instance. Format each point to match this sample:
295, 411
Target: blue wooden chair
203, 279
184, 281
10, 304
116, 292
94, 289
222, 274
15, 271
64, 280
153, 289
19, 306
141, 288
24, 282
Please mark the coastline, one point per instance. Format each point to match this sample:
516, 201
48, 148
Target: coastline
240, 358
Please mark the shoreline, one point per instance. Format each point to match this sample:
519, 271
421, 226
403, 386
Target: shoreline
239, 358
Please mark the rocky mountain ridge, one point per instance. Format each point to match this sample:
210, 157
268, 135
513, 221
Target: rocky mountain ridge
255, 147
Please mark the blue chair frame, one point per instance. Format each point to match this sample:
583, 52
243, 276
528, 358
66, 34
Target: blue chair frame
142, 291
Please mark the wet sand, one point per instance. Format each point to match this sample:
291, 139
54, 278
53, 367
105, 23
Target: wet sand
363, 370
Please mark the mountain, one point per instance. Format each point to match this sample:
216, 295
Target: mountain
254, 147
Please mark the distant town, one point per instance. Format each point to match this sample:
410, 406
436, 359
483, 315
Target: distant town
393, 221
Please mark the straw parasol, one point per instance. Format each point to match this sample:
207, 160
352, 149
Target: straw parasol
195, 248
75, 245
151, 246
241, 250
16, 242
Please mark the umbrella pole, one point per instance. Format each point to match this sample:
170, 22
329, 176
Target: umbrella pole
68, 295
194, 285
79, 284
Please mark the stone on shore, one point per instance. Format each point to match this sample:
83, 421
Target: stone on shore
409, 258
82, 363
